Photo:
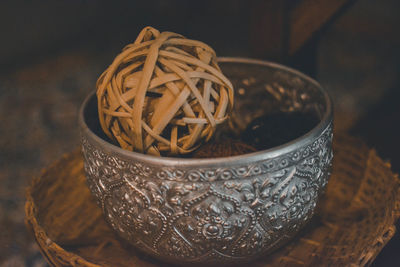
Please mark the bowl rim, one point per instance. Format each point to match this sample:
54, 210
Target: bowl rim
260, 155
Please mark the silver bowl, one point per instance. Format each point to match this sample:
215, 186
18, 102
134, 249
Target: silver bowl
217, 210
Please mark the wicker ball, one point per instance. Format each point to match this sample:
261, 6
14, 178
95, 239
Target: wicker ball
163, 94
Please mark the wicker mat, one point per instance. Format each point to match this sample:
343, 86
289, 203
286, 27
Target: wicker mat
354, 221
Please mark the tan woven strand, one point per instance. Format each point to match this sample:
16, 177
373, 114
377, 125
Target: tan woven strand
170, 84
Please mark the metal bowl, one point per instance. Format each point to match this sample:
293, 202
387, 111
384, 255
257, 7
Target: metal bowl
217, 210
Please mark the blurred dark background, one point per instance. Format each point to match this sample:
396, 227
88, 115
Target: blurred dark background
52, 51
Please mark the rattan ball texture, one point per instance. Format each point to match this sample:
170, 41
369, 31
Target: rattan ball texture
163, 94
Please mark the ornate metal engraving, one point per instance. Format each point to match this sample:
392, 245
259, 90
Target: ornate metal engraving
187, 214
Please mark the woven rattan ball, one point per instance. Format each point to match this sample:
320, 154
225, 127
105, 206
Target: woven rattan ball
163, 94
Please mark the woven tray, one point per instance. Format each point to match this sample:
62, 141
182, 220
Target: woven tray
354, 221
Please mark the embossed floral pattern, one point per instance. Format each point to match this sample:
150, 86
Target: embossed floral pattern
192, 214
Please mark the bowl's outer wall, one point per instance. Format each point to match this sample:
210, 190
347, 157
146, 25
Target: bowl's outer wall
212, 210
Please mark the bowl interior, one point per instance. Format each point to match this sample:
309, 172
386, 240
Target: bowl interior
270, 88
